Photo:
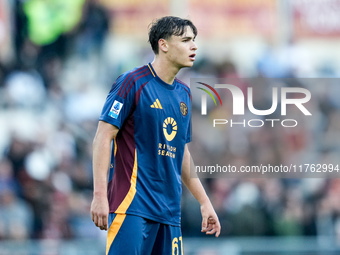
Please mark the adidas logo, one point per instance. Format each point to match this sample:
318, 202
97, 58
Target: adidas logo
156, 104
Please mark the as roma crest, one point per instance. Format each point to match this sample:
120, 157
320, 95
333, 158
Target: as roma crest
184, 109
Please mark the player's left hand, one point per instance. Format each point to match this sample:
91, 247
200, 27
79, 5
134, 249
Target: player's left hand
210, 222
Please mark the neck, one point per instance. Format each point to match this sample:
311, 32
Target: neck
164, 70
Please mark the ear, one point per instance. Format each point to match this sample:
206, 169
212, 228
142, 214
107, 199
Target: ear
163, 45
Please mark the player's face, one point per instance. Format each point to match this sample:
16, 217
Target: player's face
181, 49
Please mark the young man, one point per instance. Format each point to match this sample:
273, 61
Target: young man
147, 115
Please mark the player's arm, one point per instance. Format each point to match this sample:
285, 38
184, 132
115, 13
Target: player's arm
210, 222
101, 160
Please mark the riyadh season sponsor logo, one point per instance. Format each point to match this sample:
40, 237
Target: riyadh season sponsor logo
171, 125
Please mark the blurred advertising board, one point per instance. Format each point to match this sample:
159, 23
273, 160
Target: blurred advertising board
132, 17
220, 18
315, 18
213, 18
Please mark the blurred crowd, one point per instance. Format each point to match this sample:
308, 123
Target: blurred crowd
50, 100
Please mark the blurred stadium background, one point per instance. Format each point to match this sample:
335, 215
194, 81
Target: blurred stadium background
58, 59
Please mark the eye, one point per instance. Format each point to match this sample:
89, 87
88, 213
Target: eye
187, 39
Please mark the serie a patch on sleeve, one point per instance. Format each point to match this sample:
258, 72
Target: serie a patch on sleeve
115, 109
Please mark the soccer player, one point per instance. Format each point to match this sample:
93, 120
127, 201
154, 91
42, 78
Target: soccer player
147, 116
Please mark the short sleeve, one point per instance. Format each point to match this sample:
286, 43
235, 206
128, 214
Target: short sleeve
119, 102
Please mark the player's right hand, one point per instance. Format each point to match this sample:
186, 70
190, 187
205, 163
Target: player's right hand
100, 212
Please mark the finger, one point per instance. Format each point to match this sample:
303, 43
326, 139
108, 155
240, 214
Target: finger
209, 225
100, 222
211, 231
105, 221
213, 223
95, 220
218, 229
204, 224
103, 228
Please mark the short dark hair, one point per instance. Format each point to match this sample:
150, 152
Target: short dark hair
166, 27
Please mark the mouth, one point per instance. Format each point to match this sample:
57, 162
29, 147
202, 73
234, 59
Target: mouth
192, 57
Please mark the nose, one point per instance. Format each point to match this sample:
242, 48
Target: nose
193, 46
